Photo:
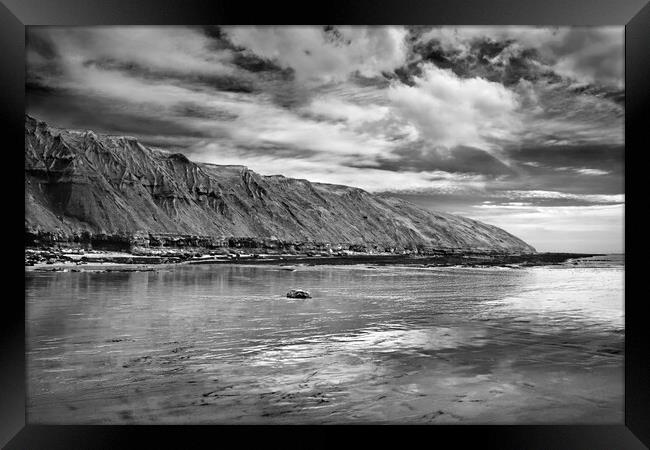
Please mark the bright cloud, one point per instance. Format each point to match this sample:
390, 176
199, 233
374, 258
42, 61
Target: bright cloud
451, 111
595, 198
585, 171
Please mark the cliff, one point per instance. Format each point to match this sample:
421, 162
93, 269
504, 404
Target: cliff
81, 186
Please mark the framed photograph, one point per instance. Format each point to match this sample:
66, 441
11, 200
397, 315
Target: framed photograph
410, 217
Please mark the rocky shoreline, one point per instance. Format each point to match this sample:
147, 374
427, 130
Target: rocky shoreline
79, 259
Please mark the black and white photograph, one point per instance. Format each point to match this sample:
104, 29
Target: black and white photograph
323, 225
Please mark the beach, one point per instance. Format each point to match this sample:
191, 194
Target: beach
375, 344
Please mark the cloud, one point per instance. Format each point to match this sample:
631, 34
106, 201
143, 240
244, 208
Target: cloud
451, 111
118, 83
555, 107
325, 56
421, 155
545, 158
449, 117
583, 170
555, 115
591, 55
338, 109
334, 169
586, 171
536, 194
169, 48
597, 228
586, 54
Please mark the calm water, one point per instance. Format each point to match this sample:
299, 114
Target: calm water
222, 344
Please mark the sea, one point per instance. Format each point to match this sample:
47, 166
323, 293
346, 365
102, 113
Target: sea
222, 344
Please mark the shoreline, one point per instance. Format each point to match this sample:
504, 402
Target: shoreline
66, 260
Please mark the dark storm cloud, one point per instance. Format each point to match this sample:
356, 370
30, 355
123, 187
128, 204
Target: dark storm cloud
289, 95
591, 169
255, 64
465, 203
480, 61
615, 95
379, 82
462, 159
595, 54
590, 56
41, 45
228, 83
604, 157
195, 110
276, 151
68, 110
569, 182
33, 87
215, 32
42, 58
242, 57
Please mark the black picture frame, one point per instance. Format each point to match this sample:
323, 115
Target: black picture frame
16, 14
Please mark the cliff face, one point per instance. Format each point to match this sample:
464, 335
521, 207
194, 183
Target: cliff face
81, 183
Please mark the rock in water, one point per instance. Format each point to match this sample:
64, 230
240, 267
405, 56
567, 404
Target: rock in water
298, 293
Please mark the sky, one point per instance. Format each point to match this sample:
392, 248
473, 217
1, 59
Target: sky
519, 127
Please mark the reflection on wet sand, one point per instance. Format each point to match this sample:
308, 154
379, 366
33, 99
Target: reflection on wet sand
223, 344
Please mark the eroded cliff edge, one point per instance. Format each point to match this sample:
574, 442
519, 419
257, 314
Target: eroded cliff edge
101, 190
